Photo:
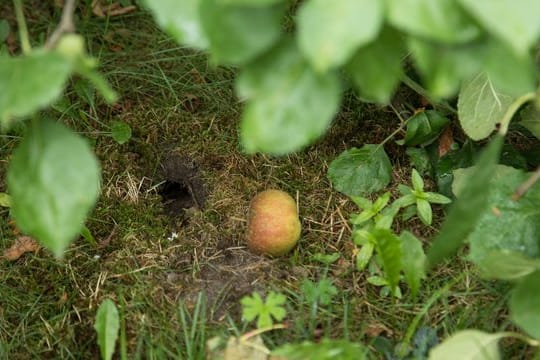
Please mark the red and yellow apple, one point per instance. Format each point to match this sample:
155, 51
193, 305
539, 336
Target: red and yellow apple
273, 225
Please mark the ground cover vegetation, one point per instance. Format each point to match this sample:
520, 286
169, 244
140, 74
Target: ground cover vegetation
135, 135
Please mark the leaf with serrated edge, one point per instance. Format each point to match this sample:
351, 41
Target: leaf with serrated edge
348, 24
54, 181
361, 171
107, 324
481, 106
468, 344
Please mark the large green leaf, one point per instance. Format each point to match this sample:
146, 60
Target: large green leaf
467, 210
376, 67
330, 31
424, 127
509, 73
288, 104
390, 253
481, 106
444, 67
530, 118
360, 172
468, 344
507, 265
238, 34
525, 304
505, 224
441, 20
107, 324
53, 179
26, 86
413, 261
181, 20
516, 23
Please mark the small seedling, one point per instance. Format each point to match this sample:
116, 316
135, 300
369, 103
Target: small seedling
253, 307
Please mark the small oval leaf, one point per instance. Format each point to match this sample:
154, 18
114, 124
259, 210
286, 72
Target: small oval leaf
107, 324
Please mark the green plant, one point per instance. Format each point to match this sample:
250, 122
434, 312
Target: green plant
107, 324
372, 234
265, 311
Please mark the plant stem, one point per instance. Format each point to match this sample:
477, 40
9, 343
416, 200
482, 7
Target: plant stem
23, 30
505, 121
65, 25
420, 90
414, 323
523, 188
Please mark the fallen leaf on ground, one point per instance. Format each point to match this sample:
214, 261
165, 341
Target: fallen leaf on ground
22, 245
445, 141
101, 9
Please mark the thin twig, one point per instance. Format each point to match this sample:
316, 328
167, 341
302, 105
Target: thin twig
523, 188
23, 30
66, 24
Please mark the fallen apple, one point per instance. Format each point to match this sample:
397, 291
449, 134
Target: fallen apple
273, 224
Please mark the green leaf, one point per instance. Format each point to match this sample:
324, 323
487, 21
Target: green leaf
525, 304
419, 159
348, 24
511, 74
389, 250
417, 181
530, 118
364, 255
53, 179
288, 105
466, 211
435, 198
254, 307
5, 200
413, 261
496, 228
441, 20
424, 127
237, 34
507, 265
514, 23
444, 67
321, 292
327, 259
377, 281
30, 87
363, 171
481, 106
376, 67
181, 20
424, 211
120, 132
107, 324
87, 235
469, 344
326, 349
